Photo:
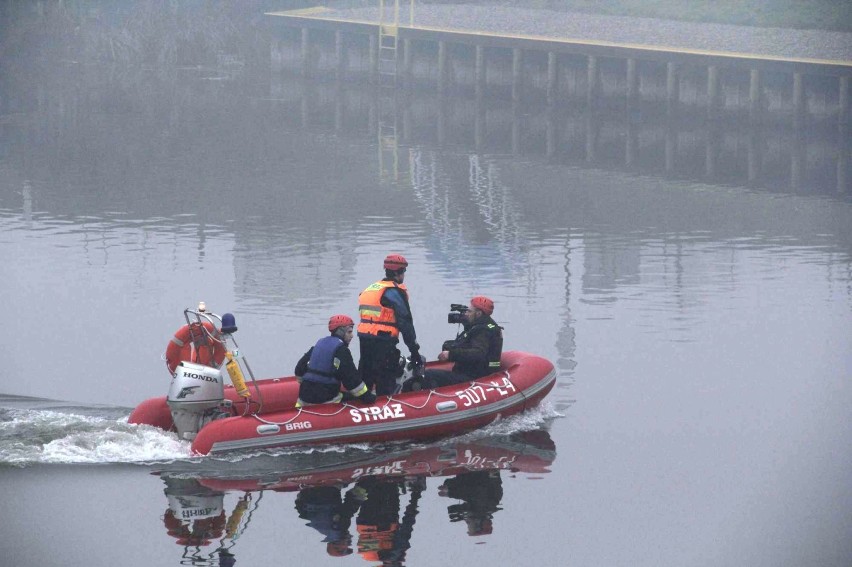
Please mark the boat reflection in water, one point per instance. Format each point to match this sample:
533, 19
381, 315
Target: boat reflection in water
366, 506
196, 519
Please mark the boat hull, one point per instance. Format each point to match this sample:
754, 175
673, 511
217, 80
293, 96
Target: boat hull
530, 452
523, 380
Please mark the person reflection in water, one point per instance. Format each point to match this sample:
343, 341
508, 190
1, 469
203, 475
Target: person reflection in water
330, 514
480, 493
382, 535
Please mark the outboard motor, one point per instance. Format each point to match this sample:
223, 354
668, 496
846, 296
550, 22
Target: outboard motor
409, 369
196, 514
196, 397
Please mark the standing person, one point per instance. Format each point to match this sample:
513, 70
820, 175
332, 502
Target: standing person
476, 351
480, 493
382, 535
328, 365
330, 514
385, 313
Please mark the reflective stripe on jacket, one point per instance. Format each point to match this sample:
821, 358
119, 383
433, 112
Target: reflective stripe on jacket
375, 317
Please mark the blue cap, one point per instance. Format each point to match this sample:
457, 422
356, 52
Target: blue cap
229, 324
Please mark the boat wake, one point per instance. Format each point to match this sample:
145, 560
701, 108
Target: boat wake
36, 432
81, 435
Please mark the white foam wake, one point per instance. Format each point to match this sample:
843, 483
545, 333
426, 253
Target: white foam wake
30, 436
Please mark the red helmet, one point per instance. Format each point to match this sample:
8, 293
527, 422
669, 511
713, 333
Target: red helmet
338, 548
483, 303
338, 321
479, 526
395, 262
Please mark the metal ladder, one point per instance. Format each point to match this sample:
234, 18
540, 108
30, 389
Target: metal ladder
388, 44
388, 63
388, 70
389, 170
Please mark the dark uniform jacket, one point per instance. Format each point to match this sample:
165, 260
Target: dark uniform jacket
477, 350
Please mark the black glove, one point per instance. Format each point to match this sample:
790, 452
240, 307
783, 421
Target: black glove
415, 354
367, 397
419, 372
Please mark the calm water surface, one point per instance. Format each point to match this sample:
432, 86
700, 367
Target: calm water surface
701, 331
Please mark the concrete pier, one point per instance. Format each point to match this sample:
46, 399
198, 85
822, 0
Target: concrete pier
603, 79
524, 67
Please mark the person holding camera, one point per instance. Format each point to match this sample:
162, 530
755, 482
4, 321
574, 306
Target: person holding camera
328, 365
385, 314
475, 351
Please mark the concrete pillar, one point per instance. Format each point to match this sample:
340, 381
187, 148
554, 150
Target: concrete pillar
797, 160
754, 155
798, 95
593, 78
632, 82
671, 147
276, 56
672, 86
843, 101
517, 73
479, 123
406, 121
374, 58
338, 108
630, 143
407, 58
591, 137
306, 52
516, 129
341, 55
552, 77
373, 117
711, 153
713, 89
550, 133
843, 159
305, 106
27, 207
277, 83
480, 79
442, 120
442, 66
843, 137
755, 92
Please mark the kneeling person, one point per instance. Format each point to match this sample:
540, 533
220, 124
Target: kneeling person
328, 365
476, 351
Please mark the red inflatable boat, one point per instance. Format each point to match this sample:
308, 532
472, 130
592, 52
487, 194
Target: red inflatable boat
217, 418
530, 452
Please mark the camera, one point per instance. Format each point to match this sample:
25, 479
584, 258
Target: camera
456, 314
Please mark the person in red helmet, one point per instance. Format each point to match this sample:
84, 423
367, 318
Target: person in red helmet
328, 365
479, 493
385, 315
476, 351
330, 513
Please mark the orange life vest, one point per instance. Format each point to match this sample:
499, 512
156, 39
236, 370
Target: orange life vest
375, 317
374, 539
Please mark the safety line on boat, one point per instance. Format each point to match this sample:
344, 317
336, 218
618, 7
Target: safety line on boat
345, 405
